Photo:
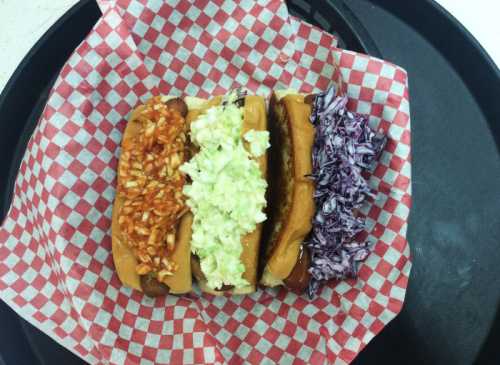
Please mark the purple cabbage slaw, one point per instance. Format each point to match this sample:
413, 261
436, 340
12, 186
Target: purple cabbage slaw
344, 146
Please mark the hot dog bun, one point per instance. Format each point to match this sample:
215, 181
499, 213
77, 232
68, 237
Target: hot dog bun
125, 260
291, 191
254, 117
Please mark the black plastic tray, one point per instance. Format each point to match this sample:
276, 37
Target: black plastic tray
452, 310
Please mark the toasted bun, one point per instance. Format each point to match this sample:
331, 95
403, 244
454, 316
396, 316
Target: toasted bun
254, 117
124, 259
291, 191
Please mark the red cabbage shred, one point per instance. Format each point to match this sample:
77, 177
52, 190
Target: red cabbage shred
344, 146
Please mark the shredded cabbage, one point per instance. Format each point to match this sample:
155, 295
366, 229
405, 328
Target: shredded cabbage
344, 146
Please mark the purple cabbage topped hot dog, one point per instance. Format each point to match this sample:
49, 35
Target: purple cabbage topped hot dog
319, 149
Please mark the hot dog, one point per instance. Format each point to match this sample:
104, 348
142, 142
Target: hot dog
227, 193
291, 191
319, 151
151, 225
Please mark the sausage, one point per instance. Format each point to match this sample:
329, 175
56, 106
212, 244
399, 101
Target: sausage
179, 105
152, 287
309, 99
196, 267
225, 288
300, 276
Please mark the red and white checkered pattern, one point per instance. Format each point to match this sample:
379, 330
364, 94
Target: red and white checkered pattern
56, 268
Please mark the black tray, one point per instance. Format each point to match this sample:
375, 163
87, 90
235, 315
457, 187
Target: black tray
452, 309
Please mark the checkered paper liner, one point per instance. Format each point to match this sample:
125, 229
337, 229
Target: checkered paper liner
56, 268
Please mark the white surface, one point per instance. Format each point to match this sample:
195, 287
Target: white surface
480, 17
23, 22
